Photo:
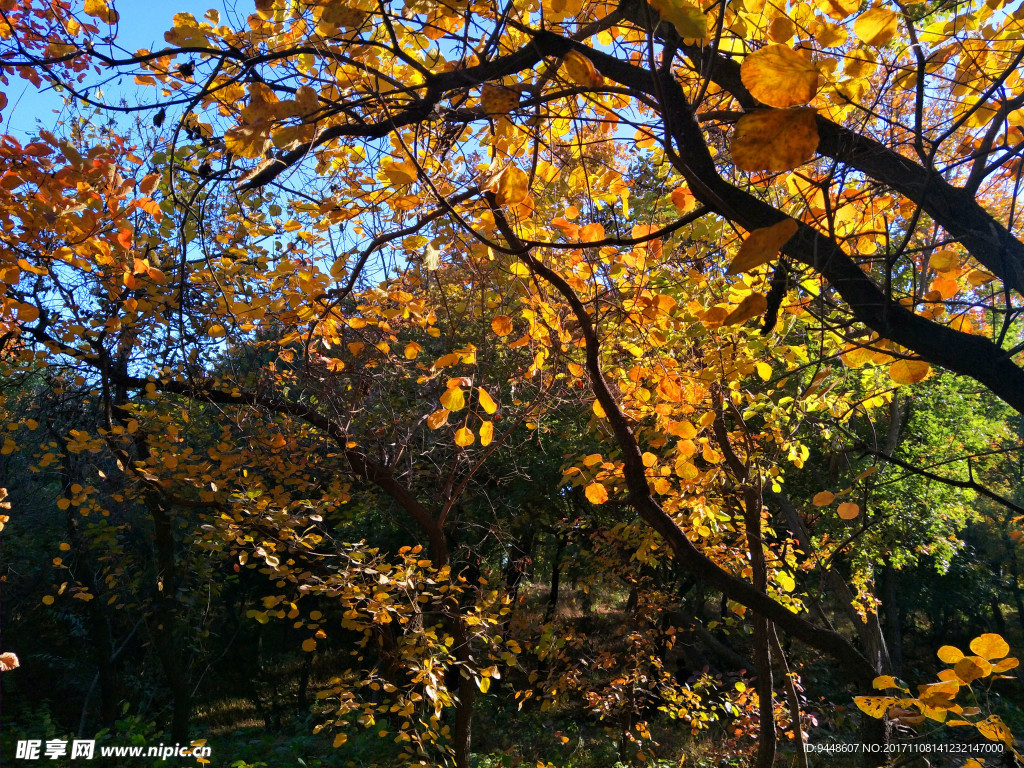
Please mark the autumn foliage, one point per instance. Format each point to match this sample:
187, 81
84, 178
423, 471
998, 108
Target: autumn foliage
365, 311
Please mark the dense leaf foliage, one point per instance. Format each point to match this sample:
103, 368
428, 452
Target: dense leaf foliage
356, 316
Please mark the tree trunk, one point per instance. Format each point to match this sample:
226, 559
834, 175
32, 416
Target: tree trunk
893, 625
766, 744
164, 629
556, 577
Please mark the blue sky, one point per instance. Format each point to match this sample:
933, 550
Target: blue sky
142, 25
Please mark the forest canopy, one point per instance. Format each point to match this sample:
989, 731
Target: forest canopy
543, 382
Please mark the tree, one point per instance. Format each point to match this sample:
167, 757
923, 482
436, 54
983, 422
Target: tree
323, 165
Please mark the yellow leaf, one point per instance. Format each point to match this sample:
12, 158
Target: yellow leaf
581, 70
340, 739
215, 331
486, 433
510, 187
342, 15
779, 76
823, 498
877, 26
596, 493
909, 371
774, 139
781, 30
599, 410
438, 418
848, 510
309, 645
486, 401
412, 349
400, 173
762, 245
753, 305
689, 20
764, 371
291, 136
453, 399
464, 436
101, 10
949, 654
485, 684
498, 99
883, 682
994, 729
874, 706
990, 646
47, 599
944, 261
839, 9
249, 141
785, 580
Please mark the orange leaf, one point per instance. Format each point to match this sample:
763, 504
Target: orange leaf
502, 325
148, 183
774, 139
823, 498
839, 9
848, 510
909, 371
464, 436
949, 654
1006, 664
683, 199
753, 305
126, 237
779, 76
762, 245
596, 493
971, 668
438, 418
